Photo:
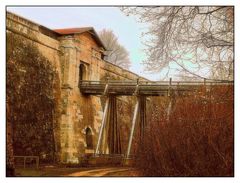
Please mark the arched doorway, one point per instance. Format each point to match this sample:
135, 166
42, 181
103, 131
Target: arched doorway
82, 75
82, 72
89, 138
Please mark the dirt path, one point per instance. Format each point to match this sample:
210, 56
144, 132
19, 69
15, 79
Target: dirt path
98, 172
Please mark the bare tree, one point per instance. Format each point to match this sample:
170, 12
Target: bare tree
197, 40
116, 53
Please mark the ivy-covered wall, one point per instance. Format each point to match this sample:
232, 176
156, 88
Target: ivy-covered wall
33, 93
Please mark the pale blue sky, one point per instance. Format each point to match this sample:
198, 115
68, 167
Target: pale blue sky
125, 28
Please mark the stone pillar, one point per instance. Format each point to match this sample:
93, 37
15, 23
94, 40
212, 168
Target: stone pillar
68, 62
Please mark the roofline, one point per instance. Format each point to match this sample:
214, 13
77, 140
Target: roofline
56, 33
98, 38
91, 30
41, 28
31, 21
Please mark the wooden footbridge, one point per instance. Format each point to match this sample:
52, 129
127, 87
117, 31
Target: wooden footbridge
139, 89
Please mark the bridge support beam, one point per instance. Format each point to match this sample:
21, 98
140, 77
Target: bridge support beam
142, 113
113, 128
102, 126
133, 127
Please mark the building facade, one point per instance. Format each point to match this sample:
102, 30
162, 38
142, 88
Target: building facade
76, 54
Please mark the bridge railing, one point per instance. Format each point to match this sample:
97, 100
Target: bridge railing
129, 87
135, 82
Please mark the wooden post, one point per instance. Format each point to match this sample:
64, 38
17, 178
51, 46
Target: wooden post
37, 162
137, 88
102, 126
169, 87
133, 126
24, 162
106, 89
142, 113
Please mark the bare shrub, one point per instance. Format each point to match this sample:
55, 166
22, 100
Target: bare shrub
195, 140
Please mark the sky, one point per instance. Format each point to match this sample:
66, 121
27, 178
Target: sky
126, 28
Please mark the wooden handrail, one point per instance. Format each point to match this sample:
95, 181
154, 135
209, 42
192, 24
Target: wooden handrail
25, 158
127, 87
153, 82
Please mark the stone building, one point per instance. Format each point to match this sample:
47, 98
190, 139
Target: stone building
77, 54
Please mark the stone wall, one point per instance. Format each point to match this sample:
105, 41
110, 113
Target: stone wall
75, 56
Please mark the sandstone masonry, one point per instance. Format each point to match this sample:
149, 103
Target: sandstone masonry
77, 54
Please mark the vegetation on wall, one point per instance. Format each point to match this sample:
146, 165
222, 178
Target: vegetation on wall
33, 92
10, 168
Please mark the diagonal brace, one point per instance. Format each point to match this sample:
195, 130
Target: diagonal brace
133, 127
102, 126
